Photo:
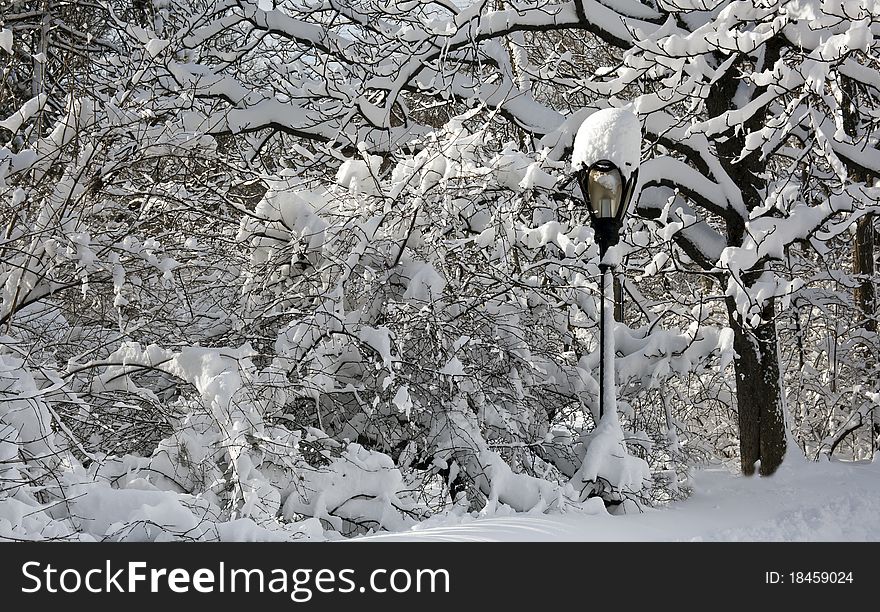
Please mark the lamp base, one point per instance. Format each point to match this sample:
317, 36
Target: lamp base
607, 232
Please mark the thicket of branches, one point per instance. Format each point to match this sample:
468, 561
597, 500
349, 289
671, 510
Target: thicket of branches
324, 268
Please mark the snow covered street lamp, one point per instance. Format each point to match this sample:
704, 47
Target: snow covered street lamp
606, 159
608, 195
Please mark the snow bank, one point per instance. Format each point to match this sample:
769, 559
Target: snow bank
724, 507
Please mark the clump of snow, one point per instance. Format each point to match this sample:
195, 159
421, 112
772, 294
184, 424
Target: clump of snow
361, 485
402, 400
535, 177
516, 170
156, 46
454, 367
611, 134
379, 339
6, 40
425, 283
24, 415
607, 459
296, 210
359, 175
27, 110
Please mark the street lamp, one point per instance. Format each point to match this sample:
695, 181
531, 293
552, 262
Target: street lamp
608, 195
606, 156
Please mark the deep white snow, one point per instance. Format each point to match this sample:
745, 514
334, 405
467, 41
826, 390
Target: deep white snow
828, 501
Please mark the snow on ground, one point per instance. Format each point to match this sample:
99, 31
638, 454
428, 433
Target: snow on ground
828, 501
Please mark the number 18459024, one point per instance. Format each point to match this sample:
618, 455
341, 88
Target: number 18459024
808, 577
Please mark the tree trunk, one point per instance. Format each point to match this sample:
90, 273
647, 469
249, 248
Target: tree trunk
863, 266
38, 80
758, 392
863, 251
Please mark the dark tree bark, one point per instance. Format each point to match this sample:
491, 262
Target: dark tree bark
863, 266
863, 250
759, 394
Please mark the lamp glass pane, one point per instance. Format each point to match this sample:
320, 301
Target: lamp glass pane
606, 189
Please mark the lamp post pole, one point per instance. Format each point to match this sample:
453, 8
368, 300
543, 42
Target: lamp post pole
607, 233
607, 397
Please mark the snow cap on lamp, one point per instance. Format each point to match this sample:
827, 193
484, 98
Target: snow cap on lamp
612, 134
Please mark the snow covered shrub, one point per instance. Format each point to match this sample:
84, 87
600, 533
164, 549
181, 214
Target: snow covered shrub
396, 333
269, 273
